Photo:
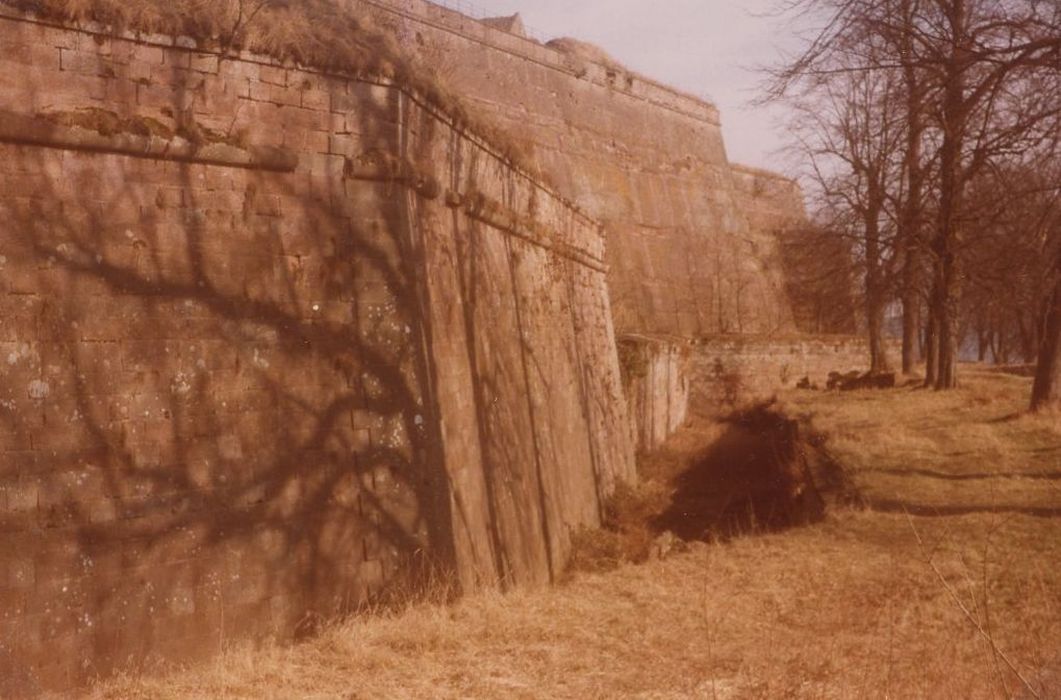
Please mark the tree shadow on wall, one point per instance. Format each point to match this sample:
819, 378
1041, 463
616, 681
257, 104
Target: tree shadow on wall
819, 279
218, 397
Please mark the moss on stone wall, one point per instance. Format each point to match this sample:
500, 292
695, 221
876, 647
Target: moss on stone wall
633, 360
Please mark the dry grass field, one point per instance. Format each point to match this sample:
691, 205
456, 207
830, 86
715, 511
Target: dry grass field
947, 586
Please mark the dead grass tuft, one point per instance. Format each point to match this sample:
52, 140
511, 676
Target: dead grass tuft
109, 124
626, 534
585, 51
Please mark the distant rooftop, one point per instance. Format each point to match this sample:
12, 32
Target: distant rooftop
512, 24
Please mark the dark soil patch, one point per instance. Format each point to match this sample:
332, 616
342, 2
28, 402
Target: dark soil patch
765, 473
756, 471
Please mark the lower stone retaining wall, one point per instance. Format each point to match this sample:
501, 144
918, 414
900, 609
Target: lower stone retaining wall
666, 379
725, 371
656, 380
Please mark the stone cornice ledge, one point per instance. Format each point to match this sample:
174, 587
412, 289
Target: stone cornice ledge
36, 130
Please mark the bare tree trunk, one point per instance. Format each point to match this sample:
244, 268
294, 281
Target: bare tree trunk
1046, 392
945, 292
911, 319
878, 356
1030, 337
931, 347
875, 292
909, 233
952, 181
948, 340
999, 349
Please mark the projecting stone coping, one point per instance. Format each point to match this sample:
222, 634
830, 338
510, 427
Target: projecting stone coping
24, 129
379, 166
47, 131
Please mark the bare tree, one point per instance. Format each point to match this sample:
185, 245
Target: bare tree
1046, 391
819, 279
991, 60
850, 133
1045, 233
983, 81
1011, 242
910, 197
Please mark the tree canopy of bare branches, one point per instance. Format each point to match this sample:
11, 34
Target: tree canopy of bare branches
934, 118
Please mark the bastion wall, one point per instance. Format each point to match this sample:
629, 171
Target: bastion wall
689, 253
272, 341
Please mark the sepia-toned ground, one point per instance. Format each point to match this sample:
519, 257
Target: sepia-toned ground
948, 585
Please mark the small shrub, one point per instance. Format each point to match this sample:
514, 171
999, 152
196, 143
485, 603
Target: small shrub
625, 535
729, 382
595, 550
633, 360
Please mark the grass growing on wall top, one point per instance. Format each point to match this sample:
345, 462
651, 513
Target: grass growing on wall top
311, 32
320, 34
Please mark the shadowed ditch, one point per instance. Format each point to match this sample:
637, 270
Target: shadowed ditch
763, 474
755, 471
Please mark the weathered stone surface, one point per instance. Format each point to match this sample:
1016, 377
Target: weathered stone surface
771, 201
253, 382
656, 381
691, 240
666, 380
271, 339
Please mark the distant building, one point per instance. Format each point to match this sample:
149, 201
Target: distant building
512, 24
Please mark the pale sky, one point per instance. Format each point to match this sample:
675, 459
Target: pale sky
706, 47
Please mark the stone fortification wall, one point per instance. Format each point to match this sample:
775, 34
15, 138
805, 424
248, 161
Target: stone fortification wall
724, 371
407, 17
270, 340
656, 382
773, 203
687, 258
816, 266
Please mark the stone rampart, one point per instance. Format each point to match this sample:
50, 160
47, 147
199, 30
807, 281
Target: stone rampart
271, 341
687, 256
772, 202
276, 340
